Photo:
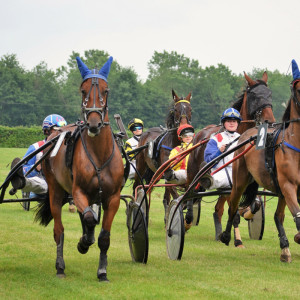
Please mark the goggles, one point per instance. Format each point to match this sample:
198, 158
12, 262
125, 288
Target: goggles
188, 134
231, 114
136, 128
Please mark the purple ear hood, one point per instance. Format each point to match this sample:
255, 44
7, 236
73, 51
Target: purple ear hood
87, 73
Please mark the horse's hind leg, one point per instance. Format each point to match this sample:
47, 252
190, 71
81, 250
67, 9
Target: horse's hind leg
284, 243
88, 221
104, 236
56, 205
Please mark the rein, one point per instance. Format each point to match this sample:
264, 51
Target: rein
98, 170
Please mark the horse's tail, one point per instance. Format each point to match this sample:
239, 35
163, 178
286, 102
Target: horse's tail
249, 195
43, 213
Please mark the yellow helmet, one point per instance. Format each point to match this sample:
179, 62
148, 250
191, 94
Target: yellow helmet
135, 122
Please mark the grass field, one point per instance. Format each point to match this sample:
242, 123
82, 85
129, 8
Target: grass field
208, 269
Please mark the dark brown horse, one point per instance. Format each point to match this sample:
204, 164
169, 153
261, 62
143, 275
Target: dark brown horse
251, 170
255, 107
94, 175
166, 140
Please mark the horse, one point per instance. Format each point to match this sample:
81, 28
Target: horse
283, 178
165, 140
94, 175
255, 107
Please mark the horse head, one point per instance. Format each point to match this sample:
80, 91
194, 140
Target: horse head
257, 101
182, 110
94, 90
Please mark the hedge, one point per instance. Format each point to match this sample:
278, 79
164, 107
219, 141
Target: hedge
19, 137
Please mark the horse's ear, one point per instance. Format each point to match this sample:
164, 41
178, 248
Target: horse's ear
174, 95
189, 96
104, 71
265, 77
249, 80
84, 70
295, 69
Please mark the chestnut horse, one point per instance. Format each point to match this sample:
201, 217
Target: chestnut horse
255, 107
95, 175
250, 169
166, 140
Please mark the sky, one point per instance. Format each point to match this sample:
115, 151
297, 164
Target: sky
240, 34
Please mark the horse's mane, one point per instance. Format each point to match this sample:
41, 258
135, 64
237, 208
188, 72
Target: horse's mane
239, 102
287, 114
170, 117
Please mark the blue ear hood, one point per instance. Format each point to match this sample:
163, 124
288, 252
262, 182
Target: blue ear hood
87, 73
295, 69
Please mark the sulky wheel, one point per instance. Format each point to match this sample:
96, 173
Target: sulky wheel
137, 233
257, 224
175, 232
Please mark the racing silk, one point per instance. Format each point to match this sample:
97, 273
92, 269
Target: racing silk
182, 165
34, 159
132, 144
212, 149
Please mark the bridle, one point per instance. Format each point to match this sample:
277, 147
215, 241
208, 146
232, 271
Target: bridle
258, 93
100, 110
183, 112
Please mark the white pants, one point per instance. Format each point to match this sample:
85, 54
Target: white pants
132, 170
36, 184
221, 180
181, 177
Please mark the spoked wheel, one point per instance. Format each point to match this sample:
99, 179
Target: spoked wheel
256, 225
25, 204
137, 233
175, 232
140, 199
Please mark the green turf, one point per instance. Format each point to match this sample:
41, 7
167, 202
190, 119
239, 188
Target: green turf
208, 269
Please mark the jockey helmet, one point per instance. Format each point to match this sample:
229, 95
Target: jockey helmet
53, 120
135, 123
185, 129
231, 114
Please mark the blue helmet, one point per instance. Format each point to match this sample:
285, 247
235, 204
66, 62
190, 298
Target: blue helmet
53, 120
229, 114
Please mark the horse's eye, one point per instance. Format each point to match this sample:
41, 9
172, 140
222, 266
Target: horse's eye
298, 91
83, 92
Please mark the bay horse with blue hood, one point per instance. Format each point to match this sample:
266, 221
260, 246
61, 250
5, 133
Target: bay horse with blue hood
94, 175
282, 176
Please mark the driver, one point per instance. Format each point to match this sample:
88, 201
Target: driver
136, 127
219, 143
35, 182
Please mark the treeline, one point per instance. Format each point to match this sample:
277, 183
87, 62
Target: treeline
27, 96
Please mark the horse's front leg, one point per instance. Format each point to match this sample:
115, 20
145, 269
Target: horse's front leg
88, 221
279, 215
104, 236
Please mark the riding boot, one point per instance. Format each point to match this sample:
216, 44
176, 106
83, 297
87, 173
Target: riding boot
170, 175
18, 180
218, 226
206, 180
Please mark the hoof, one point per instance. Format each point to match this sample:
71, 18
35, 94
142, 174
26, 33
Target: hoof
72, 208
103, 277
60, 273
286, 255
240, 246
187, 226
225, 238
81, 248
297, 238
